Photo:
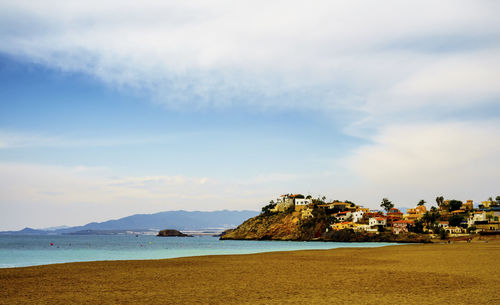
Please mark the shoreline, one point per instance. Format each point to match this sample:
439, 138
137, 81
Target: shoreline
385, 244
370, 245
457, 273
202, 256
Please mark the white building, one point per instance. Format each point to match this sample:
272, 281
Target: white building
476, 216
454, 230
302, 201
377, 221
364, 228
357, 216
343, 216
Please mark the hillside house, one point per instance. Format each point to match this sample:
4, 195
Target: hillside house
401, 226
377, 221
486, 204
343, 216
416, 213
458, 212
395, 213
342, 225
468, 205
372, 214
301, 203
363, 228
486, 226
286, 201
357, 215
476, 216
454, 230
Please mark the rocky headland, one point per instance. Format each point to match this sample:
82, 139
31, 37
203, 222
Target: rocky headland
290, 226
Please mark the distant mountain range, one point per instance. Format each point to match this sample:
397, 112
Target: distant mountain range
178, 220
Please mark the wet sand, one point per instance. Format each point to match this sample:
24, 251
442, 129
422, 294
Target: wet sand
458, 273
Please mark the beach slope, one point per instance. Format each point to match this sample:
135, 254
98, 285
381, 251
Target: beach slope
459, 273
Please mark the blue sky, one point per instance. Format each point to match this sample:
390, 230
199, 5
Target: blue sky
84, 121
119, 108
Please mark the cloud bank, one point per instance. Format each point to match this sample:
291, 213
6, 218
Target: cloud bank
356, 55
454, 159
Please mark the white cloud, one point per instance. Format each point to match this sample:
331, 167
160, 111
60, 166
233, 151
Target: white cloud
409, 161
268, 54
44, 195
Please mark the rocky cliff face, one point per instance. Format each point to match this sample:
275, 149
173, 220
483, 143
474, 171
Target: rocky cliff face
278, 226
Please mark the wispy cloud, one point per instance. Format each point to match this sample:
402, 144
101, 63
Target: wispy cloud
17, 139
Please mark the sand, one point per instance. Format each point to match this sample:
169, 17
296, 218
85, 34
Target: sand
458, 273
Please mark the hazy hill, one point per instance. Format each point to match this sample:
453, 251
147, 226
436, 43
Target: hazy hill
179, 220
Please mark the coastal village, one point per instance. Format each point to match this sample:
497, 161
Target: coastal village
452, 218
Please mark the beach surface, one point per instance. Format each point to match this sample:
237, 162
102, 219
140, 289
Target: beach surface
457, 273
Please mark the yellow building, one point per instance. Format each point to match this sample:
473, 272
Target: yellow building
469, 205
491, 226
342, 225
486, 204
416, 213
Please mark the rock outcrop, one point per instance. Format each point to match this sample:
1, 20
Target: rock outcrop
277, 226
172, 233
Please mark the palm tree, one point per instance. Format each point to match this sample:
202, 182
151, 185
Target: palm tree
421, 202
386, 204
439, 200
430, 218
426, 218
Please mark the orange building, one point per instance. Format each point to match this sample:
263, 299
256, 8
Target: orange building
416, 213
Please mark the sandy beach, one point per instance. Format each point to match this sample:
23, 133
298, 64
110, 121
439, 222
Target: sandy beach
457, 273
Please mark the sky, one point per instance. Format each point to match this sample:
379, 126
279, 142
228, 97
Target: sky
111, 108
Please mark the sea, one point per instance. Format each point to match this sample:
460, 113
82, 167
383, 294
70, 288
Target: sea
32, 250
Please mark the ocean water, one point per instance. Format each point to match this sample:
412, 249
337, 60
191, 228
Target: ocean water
31, 250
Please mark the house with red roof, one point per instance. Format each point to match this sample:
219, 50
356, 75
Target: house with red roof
401, 226
377, 221
343, 216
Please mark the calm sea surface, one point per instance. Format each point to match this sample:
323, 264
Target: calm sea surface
28, 250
